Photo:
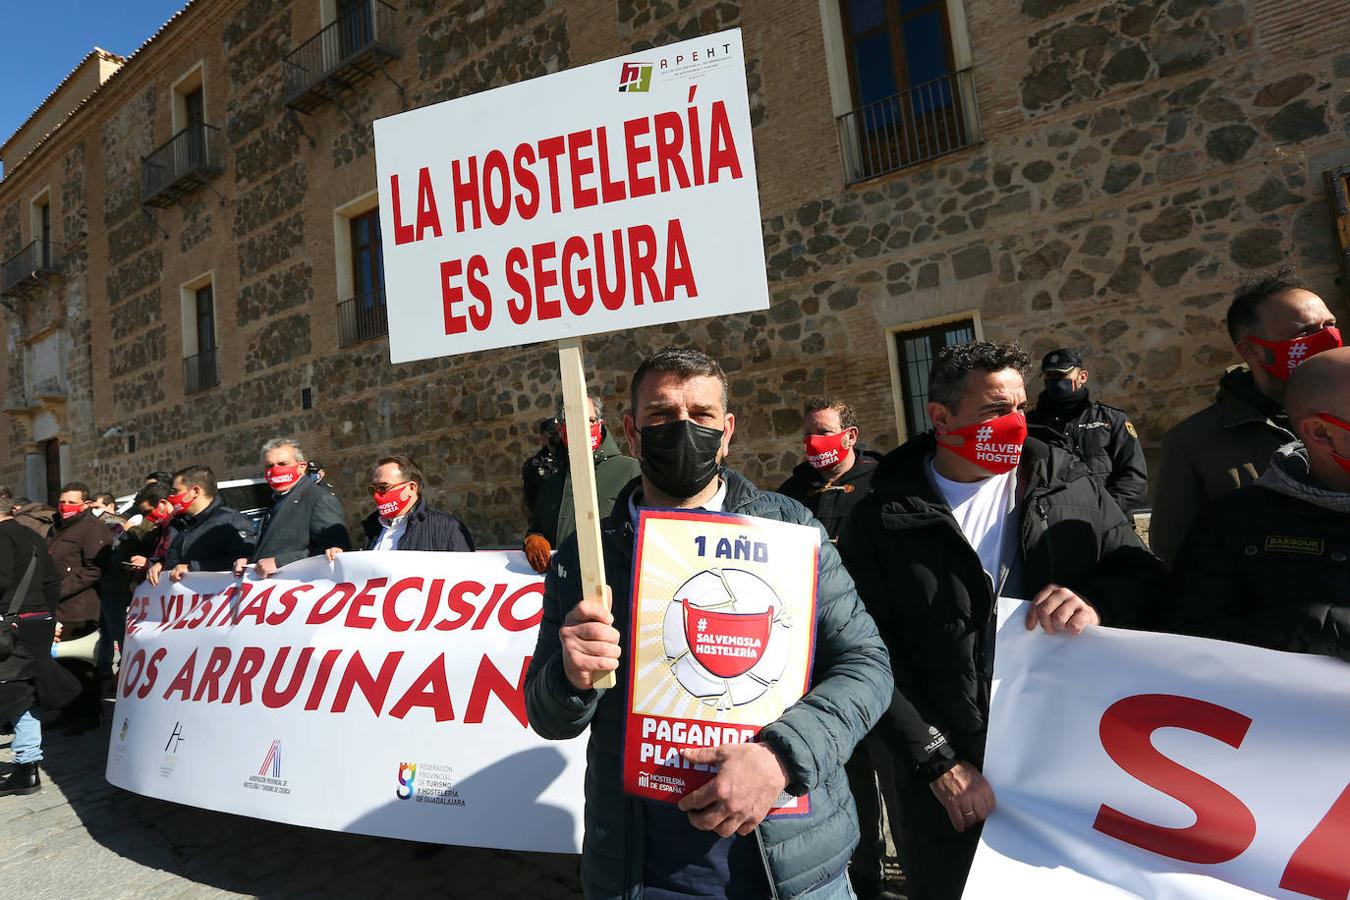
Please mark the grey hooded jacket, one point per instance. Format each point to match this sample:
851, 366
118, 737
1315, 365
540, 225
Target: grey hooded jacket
851, 685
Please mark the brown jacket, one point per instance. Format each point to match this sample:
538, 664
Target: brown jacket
79, 547
1225, 446
38, 517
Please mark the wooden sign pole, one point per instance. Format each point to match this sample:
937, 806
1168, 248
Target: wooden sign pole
577, 412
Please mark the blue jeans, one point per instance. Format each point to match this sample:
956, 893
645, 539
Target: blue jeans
27, 744
838, 889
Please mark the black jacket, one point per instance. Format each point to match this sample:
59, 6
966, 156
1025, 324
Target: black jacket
428, 529
304, 522
537, 469
935, 607
1105, 440
18, 545
831, 502
1269, 564
211, 540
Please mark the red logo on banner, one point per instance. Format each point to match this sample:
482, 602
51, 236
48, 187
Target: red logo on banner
726, 644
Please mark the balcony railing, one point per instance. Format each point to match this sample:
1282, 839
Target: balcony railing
924, 122
180, 166
199, 372
30, 268
362, 318
352, 47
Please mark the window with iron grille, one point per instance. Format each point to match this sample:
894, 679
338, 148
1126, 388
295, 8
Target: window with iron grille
914, 352
911, 102
364, 315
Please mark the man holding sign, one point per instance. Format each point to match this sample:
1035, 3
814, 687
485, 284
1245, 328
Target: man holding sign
717, 842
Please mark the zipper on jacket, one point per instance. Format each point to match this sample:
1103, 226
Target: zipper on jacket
764, 856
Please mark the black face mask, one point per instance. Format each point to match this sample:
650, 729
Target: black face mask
1061, 393
680, 457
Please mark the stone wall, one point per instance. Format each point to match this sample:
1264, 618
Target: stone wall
1137, 159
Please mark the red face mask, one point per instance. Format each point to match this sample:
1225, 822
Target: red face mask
1289, 355
595, 435
281, 477
157, 517
180, 503
70, 510
1342, 461
395, 501
995, 446
825, 450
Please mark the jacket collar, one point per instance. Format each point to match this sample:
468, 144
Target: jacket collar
1240, 403
190, 519
741, 494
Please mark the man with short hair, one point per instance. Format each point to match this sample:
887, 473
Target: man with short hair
717, 841
27, 575
306, 517
79, 545
158, 477
1266, 564
207, 535
554, 516
124, 569
830, 482
957, 517
1275, 323
1102, 436
403, 520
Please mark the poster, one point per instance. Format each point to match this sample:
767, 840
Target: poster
381, 694
723, 631
607, 197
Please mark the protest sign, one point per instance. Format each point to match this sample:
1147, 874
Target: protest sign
1149, 765
610, 196
382, 694
607, 197
723, 630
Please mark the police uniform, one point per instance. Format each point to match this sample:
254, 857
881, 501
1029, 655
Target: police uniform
1101, 436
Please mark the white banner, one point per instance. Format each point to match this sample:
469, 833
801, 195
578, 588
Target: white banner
607, 197
1134, 764
382, 694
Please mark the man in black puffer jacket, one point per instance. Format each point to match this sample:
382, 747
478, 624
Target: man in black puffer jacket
206, 535
658, 851
955, 520
1269, 564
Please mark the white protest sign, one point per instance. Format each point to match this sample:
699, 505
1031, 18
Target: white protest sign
382, 694
607, 197
1131, 764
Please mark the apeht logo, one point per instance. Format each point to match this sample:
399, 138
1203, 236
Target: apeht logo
635, 78
407, 774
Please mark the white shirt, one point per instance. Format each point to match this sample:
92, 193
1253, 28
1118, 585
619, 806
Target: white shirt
391, 532
981, 509
714, 504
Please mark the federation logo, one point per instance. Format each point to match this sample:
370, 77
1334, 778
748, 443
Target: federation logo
635, 78
407, 774
268, 779
272, 760
726, 637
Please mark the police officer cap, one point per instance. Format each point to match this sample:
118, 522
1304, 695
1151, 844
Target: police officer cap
1061, 360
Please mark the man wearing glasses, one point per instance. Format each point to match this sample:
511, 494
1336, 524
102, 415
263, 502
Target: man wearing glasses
402, 519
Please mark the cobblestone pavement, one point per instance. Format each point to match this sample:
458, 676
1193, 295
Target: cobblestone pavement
80, 837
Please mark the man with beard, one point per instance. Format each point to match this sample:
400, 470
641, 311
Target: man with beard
717, 842
1102, 436
958, 517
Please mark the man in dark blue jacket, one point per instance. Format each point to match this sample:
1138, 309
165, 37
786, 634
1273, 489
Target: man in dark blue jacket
306, 517
403, 520
717, 842
207, 536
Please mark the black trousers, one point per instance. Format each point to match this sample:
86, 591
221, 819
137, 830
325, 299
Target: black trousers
866, 868
935, 858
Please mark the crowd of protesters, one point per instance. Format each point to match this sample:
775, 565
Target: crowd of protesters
1001, 498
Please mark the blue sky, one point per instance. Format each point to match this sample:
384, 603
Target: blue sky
45, 39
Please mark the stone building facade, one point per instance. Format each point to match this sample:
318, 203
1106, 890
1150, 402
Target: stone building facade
1123, 165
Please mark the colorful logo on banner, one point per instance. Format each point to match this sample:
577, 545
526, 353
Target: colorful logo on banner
272, 760
268, 780
635, 78
407, 774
